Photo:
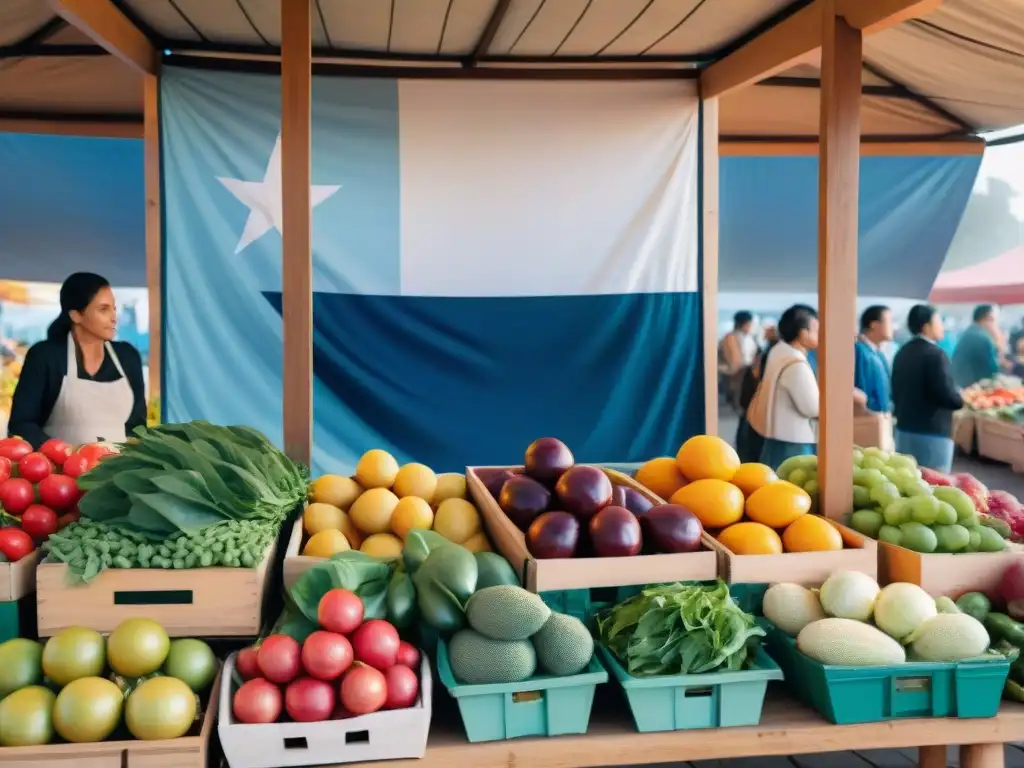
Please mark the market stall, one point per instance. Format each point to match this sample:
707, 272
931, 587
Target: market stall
458, 571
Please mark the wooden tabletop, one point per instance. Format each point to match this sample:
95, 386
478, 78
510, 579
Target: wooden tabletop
787, 728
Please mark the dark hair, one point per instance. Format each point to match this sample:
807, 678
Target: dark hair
795, 319
982, 311
741, 318
871, 315
76, 293
920, 315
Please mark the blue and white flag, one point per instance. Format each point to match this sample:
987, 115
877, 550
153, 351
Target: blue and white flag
494, 261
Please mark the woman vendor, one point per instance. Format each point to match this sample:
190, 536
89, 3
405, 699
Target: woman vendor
79, 385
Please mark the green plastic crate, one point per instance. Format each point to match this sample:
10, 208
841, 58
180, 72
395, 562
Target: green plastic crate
17, 619
540, 706
686, 702
846, 695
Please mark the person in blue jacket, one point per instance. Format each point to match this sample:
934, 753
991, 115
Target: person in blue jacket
976, 356
871, 367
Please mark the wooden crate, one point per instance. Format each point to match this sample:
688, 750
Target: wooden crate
190, 751
943, 574
581, 573
192, 602
296, 564
964, 430
1001, 440
807, 568
18, 579
874, 430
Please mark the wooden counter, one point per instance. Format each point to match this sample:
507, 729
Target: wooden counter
787, 728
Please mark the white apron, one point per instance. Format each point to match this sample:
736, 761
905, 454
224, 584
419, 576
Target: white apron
90, 411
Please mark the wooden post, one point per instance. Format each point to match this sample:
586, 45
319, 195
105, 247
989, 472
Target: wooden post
154, 231
297, 267
982, 756
838, 184
709, 273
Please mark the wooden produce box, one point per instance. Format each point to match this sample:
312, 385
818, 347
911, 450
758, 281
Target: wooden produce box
807, 568
190, 751
585, 572
17, 580
874, 430
943, 574
964, 429
1001, 440
296, 564
191, 602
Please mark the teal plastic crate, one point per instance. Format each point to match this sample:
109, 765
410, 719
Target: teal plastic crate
540, 706
17, 618
686, 702
846, 695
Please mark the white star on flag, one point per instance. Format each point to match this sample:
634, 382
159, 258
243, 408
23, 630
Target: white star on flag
263, 199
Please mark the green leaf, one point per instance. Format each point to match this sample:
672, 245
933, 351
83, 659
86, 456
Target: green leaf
351, 570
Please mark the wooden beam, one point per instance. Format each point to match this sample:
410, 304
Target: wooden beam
91, 128
787, 147
490, 30
709, 261
104, 23
296, 236
154, 231
788, 42
838, 186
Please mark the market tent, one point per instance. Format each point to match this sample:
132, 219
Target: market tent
999, 280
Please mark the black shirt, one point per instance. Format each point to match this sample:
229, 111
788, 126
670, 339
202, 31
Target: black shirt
42, 374
923, 391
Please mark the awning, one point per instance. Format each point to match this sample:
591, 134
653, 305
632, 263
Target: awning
997, 281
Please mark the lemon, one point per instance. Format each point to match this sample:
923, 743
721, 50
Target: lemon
326, 543
335, 490
450, 485
372, 511
457, 520
411, 512
415, 480
478, 542
382, 545
321, 517
376, 469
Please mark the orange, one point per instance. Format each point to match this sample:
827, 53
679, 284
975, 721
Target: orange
662, 476
372, 511
749, 477
811, 533
411, 512
376, 469
716, 503
335, 490
706, 457
415, 480
751, 539
778, 504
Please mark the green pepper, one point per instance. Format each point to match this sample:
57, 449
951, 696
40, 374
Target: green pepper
1002, 627
974, 604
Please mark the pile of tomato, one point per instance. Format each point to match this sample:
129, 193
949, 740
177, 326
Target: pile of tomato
39, 490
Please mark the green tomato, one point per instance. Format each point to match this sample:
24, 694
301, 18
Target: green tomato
951, 538
867, 522
919, 538
890, 534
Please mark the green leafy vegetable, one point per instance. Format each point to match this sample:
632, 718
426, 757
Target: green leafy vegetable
680, 629
352, 570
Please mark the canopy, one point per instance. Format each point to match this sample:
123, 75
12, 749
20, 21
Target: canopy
999, 281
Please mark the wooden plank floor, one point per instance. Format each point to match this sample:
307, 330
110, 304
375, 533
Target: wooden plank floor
869, 758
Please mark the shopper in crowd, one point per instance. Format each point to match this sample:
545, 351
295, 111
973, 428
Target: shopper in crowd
871, 367
784, 409
748, 442
977, 354
79, 385
925, 393
1017, 368
736, 354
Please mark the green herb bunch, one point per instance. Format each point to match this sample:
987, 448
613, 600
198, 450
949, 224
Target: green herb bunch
680, 629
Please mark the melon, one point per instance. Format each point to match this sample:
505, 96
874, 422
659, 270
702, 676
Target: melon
901, 608
848, 643
791, 607
950, 637
849, 595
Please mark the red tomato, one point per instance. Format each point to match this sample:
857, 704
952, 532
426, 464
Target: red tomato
6, 467
245, 663
309, 701
257, 701
326, 655
408, 656
279, 659
15, 544
403, 687
55, 450
16, 494
94, 452
34, 467
340, 611
39, 521
363, 690
376, 643
76, 465
14, 448
58, 491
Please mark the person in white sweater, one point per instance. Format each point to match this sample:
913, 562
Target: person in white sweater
784, 411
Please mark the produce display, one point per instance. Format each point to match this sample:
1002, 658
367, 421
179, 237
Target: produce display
513, 635
1005, 627
350, 666
853, 622
997, 504
181, 496
1002, 397
374, 510
574, 510
80, 687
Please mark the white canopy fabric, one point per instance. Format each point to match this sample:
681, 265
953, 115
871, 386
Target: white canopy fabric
957, 71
